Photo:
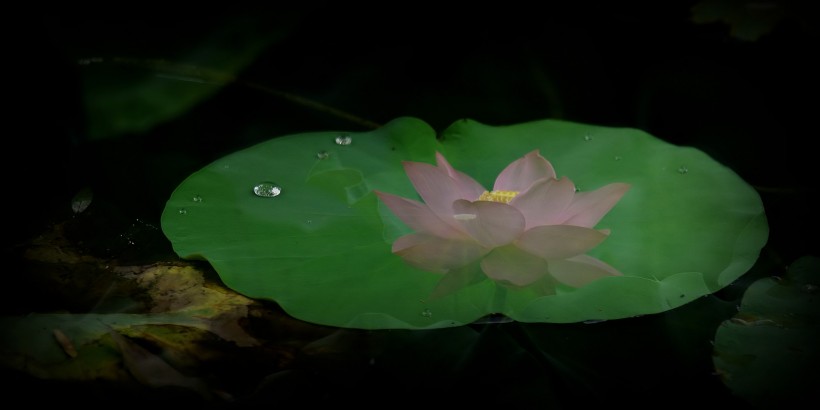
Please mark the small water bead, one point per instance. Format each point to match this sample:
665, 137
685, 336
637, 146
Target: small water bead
587, 137
183, 211
81, 200
322, 154
344, 139
682, 169
197, 198
617, 158
267, 189
128, 239
426, 313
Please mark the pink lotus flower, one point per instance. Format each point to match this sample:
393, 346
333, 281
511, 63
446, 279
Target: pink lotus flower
532, 228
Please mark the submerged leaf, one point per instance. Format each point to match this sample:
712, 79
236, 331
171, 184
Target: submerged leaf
64, 346
182, 290
151, 370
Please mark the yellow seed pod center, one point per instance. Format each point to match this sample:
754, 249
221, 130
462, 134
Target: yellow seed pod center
498, 196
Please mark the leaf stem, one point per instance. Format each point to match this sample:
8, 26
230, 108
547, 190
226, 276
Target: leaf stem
499, 299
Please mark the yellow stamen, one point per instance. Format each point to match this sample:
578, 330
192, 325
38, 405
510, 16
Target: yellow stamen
498, 196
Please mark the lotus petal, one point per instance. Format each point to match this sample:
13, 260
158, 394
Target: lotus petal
514, 266
419, 217
492, 224
580, 270
587, 208
523, 172
468, 188
545, 201
436, 254
559, 241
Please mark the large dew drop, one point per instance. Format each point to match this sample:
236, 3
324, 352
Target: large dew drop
267, 189
344, 139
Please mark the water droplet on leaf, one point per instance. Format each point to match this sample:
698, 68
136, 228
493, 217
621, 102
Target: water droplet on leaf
197, 198
183, 211
267, 189
344, 139
682, 169
322, 154
426, 313
617, 158
81, 200
587, 137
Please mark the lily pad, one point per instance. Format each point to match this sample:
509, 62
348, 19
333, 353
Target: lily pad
767, 353
321, 247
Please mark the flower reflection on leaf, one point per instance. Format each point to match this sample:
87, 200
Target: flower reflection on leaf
531, 230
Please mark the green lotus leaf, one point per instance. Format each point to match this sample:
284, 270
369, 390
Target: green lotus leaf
321, 248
